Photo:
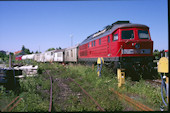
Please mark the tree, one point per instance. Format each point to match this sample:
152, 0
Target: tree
162, 52
50, 49
58, 48
25, 50
156, 54
2, 55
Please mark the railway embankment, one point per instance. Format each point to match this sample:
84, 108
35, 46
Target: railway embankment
67, 96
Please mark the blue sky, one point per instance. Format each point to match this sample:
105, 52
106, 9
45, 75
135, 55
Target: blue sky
47, 24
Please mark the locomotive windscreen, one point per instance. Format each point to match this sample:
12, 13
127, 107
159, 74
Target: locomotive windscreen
127, 34
143, 34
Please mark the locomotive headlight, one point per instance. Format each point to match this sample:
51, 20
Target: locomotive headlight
137, 45
133, 44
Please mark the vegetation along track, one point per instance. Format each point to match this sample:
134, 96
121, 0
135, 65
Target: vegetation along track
67, 96
72, 80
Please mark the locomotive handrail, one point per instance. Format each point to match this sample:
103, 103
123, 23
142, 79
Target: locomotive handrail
119, 50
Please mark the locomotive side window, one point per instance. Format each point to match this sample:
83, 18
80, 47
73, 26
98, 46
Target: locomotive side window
100, 41
115, 37
108, 39
127, 34
94, 43
88, 45
143, 34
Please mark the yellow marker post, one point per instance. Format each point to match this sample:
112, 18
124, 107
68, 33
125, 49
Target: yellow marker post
100, 62
121, 77
163, 67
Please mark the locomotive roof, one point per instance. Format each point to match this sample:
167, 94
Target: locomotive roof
110, 29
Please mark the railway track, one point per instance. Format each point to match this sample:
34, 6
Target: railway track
98, 106
136, 104
85, 92
51, 92
12, 104
157, 82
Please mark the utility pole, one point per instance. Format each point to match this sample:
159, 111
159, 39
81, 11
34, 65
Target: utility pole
39, 49
71, 39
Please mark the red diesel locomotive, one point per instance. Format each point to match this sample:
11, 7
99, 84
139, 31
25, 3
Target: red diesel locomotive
123, 44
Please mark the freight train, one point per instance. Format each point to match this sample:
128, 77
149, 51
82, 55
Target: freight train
122, 44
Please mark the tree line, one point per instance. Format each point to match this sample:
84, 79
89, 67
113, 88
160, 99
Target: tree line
5, 57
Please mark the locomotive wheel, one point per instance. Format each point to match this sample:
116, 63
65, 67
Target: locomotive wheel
149, 72
112, 65
133, 73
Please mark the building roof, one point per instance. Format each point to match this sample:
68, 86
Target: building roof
166, 50
17, 52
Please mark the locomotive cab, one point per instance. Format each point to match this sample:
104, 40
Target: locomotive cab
135, 42
136, 50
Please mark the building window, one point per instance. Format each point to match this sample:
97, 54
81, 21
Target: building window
100, 41
108, 39
94, 43
115, 37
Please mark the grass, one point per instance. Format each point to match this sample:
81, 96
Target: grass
35, 90
97, 87
144, 92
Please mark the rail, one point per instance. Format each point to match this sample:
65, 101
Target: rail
158, 82
136, 104
14, 103
99, 107
50, 104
